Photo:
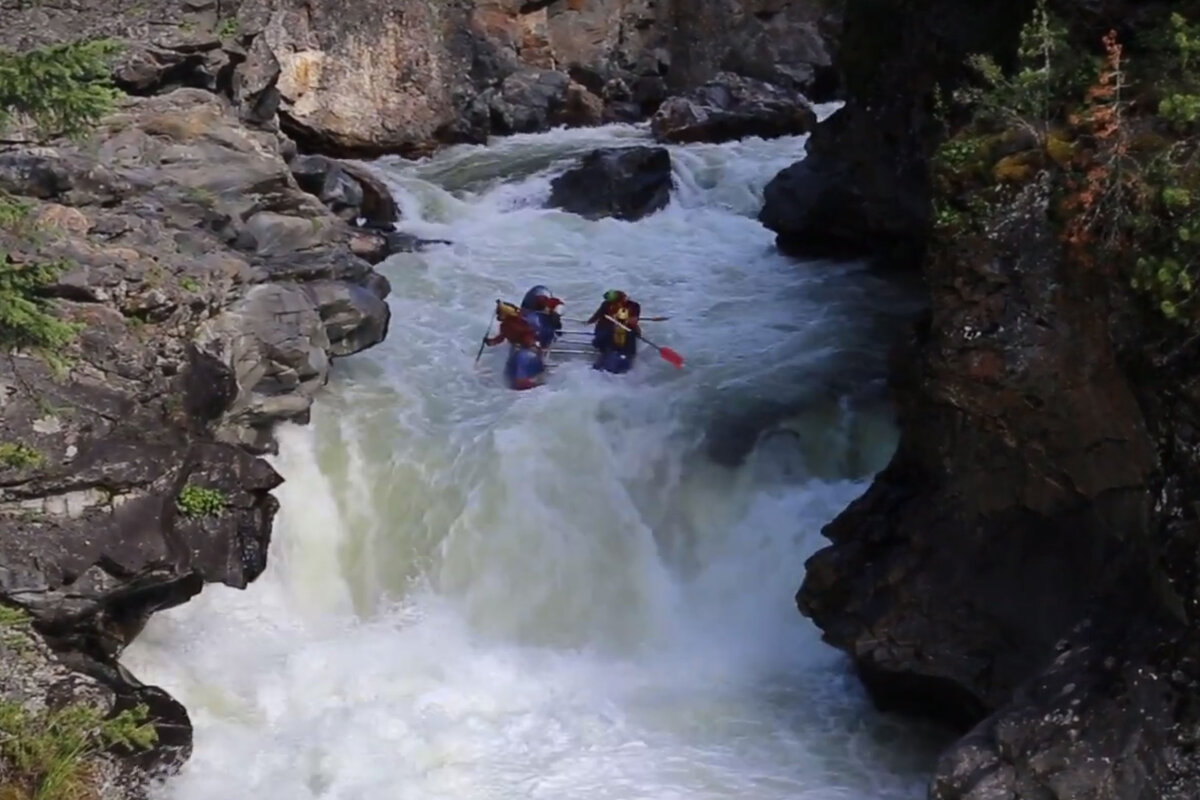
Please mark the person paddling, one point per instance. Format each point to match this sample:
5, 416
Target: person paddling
618, 306
513, 328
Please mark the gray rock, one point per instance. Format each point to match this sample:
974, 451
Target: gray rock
626, 183
733, 107
212, 293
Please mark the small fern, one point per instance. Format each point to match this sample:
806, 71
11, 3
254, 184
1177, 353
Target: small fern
197, 501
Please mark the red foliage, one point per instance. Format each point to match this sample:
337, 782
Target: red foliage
1100, 172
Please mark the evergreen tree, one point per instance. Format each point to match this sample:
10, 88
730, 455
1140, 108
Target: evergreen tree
61, 90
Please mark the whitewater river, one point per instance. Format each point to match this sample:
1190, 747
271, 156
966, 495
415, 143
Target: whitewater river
581, 592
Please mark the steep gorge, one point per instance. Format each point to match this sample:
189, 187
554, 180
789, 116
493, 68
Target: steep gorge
214, 289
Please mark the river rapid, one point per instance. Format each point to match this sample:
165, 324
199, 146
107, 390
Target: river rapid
579, 592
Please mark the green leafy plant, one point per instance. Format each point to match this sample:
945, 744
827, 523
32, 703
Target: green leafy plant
49, 754
1026, 98
227, 28
197, 501
18, 455
62, 90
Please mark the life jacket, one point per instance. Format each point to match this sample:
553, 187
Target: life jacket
624, 315
518, 331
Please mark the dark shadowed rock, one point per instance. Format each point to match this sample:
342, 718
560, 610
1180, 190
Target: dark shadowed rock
39, 681
863, 188
1026, 566
1112, 716
1023, 462
533, 100
626, 183
733, 107
347, 189
796, 208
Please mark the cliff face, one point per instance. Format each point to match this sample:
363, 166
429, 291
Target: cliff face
1026, 566
211, 294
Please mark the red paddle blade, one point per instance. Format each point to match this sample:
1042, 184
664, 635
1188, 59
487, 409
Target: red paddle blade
670, 355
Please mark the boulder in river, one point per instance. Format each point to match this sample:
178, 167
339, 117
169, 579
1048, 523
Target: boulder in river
733, 107
626, 183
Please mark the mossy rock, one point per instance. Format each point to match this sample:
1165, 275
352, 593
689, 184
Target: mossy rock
1017, 168
1149, 142
1059, 149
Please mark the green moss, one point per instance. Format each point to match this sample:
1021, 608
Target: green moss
18, 456
50, 754
228, 28
197, 501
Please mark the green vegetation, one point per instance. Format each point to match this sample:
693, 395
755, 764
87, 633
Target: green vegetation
197, 501
14, 622
63, 90
18, 456
1111, 132
49, 754
53, 91
228, 28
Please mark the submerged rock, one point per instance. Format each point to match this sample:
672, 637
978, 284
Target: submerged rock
733, 107
626, 183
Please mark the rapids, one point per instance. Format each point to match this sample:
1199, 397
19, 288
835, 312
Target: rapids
579, 592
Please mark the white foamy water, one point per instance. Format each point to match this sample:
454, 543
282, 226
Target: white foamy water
582, 591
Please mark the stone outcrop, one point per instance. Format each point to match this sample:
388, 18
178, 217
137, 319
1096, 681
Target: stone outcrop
1025, 568
626, 183
212, 293
864, 186
406, 76
37, 686
732, 107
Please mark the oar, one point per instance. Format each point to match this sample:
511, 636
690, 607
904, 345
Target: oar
667, 353
483, 344
640, 319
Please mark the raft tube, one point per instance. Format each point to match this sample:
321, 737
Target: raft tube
524, 369
613, 359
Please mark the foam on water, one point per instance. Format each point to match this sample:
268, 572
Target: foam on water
563, 593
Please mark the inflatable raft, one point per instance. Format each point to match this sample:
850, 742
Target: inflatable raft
526, 368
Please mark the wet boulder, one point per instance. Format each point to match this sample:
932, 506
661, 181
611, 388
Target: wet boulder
535, 99
626, 183
348, 190
732, 107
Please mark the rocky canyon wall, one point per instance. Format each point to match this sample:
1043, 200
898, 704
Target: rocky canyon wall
1026, 566
406, 76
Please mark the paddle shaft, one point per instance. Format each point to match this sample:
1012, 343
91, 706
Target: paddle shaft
483, 344
635, 333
